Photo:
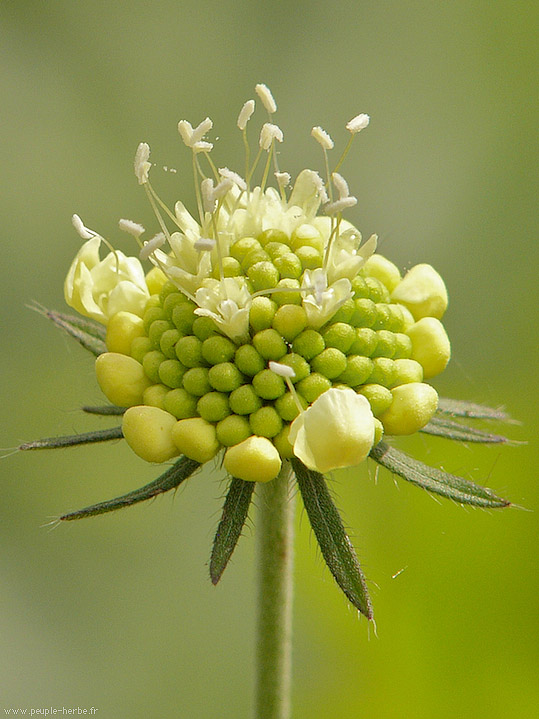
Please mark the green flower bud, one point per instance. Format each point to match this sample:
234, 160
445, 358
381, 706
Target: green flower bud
213, 406
151, 314
287, 408
171, 373
383, 317
289, 265
406, 371
122, 328
155, 280
204, 328
252, 258
378, 432
244, 400
233, 430
196, 381
298, 363
183, 316
309, 257
345, 312
380, 398
423, 292
151, 362
154, 396
272, 235
289, 321
365, 314
288, 298
180, 403
167, 289
359, 288
339, 335
412, 407
153, 301
430, 345
156, 330
196, 439
278, 249
231, 268
383, 372
313, 386
262, 313
403, 346
170, 302
217, 349
282, 443
269, 344
140, 346
331, 363
241, 248
386, 344
365, 342
377, 291
265, 422
253, 460
167, 343
225, 377
148, 431
308, 344
248, 360
307, 236
263, 275
189, 351
268, 385
383, 270
358, 370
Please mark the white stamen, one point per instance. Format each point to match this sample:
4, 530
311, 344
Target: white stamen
142, 166
323, 138
357, 123
199, 131
268, 133
319, 183
341, 185
83, 231
186, 132
245, 114
283, 179
283, 370
133, 228
202, 146
264, 93
204, 244
222, 188
208, 195
236, 179
152, 245
320, 285
340, 205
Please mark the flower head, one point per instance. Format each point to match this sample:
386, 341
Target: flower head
266, 333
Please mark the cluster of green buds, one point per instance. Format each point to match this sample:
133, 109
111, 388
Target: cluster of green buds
266, 332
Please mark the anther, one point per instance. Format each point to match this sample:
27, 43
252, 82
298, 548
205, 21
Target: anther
83, 231
245, 114
283, 179
264, 93
341, 185
282, 370
142, 165
132, 228
357, 123
150, 246
322, 137
268, 133
339, 205
236, 179
204, 244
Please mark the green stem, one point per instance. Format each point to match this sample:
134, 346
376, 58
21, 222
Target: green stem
275, 534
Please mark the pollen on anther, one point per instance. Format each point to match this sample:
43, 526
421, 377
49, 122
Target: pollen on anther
357, 123
322, 137
282, 370
204, 244
268, 133
151, 245
132, 228
341, 185
83, 231
245, 114
264, 93
231, 175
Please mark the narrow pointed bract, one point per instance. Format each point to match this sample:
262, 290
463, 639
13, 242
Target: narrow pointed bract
336, 547
435, 480
235, 510
448, 428
73, 440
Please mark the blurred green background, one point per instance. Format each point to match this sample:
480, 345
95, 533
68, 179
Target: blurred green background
118, 612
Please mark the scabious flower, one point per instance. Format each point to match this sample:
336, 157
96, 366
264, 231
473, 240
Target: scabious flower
266, 334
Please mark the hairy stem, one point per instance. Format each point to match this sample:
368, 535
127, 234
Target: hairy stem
275, 534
